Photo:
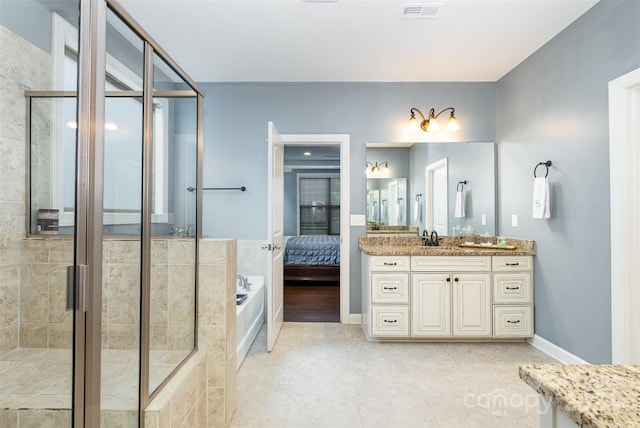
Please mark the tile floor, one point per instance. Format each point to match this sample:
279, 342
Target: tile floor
329, 375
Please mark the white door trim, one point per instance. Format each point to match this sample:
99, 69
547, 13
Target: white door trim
624, 158
345, 178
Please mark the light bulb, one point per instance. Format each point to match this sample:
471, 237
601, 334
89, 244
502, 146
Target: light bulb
453, 124
433, 125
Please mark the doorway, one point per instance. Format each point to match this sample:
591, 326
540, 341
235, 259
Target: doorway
315, 292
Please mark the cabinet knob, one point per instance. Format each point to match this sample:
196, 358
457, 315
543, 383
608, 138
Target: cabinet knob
455, 279
448, 279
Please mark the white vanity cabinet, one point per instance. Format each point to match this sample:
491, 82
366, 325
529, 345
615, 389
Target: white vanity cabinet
385, 299
439, 297
512, 296
464, 289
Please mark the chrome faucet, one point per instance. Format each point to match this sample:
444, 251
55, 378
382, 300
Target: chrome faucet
244, 282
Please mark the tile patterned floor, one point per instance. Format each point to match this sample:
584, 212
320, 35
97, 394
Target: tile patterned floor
329, 375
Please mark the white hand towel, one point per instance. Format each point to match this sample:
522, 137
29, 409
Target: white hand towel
541, 207
416, 210
459, 211
399, 211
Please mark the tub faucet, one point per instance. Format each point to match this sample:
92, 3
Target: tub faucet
244, 282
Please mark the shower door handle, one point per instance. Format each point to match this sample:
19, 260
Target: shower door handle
77, 276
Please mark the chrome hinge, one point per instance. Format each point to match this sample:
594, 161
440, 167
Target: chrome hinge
77, 280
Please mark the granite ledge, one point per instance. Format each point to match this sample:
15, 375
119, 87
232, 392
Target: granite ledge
590, 395
448, 246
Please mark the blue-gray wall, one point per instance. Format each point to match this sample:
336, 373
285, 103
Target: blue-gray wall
235, 128
554, 106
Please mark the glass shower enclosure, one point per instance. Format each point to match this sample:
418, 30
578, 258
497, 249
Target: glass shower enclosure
98, 272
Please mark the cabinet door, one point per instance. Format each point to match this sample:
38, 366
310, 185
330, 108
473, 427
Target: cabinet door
472, 304
430, 304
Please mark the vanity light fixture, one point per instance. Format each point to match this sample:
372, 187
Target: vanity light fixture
430, 124
377, 168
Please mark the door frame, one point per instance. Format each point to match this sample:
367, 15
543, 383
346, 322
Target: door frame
624, 157
343, 140
429, 211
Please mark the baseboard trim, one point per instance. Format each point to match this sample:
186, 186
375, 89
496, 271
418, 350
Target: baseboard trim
553, 350
355, 318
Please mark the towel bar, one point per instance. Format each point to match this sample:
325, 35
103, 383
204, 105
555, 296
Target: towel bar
242, 188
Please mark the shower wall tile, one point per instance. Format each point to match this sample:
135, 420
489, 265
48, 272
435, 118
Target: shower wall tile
181, 299
252, 259
159, 294
44, 418
34, 293
61, 251
216, 407
11, 230
12, 109
211, 299
182, 252
22, 60
58, 294
33, 335
124, 294
158, 337
159, 251
180, 337
9, 338
123, 336
60, 335
9, 295
122, 251
34, 251
12, 165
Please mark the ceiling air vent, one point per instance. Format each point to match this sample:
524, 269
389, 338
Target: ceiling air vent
421, 10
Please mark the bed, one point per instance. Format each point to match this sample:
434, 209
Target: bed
312, 258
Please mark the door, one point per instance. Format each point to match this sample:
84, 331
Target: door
472, 304
437, 200
431, 304
275, 291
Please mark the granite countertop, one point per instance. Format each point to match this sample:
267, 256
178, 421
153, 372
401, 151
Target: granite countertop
448, 246
590, 395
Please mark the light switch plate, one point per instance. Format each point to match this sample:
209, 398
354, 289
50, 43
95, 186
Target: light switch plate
484, 219
514, 220
358, 220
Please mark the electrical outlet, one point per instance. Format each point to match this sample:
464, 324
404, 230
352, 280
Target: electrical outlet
483, 219
514, 220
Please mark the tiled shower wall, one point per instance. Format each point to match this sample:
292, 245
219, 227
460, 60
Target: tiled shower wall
44, 323
23, 67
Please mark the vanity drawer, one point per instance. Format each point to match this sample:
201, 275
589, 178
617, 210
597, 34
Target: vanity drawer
451, 263
389, 263
390, 288
512, 263
390, 321
512, 321
512, 288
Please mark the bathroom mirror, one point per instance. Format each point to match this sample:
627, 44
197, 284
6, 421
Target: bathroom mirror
387, 202
473, 162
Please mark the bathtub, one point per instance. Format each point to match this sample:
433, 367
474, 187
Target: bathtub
250, 317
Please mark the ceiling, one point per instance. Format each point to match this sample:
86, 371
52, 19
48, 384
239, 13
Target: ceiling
351, 40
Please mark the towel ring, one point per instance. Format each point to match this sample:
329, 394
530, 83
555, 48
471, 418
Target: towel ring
461, 184
547, 164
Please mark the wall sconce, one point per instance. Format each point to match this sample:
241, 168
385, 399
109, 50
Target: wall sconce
377, 168
431, 124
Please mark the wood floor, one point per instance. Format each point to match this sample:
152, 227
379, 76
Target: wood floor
308, 301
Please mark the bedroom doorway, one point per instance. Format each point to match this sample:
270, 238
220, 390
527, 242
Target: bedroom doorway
317, 210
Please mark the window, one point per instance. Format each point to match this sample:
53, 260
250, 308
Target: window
318, 204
